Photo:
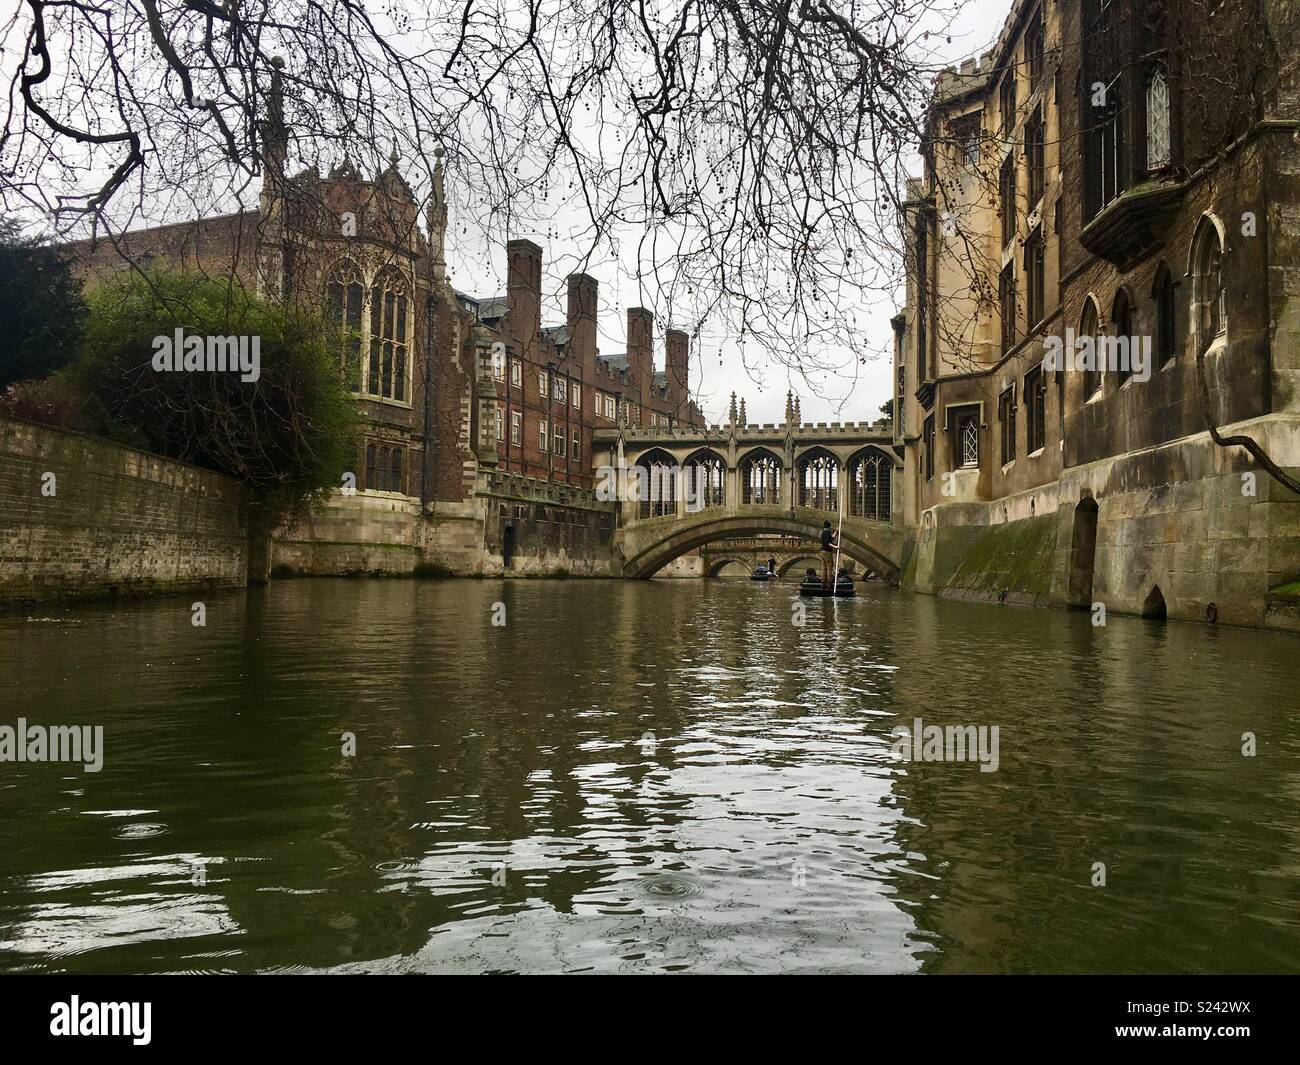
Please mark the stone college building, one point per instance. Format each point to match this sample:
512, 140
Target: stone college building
1103, 267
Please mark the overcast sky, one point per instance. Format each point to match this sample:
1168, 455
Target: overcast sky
718, 364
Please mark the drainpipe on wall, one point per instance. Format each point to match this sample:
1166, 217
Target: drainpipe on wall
568, 429
508, 426
428, 401
550, 417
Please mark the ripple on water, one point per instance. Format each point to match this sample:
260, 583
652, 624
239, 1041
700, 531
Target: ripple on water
141, 830
668, 887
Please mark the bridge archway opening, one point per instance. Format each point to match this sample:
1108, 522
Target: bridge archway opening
676, 542
717, 567
731, 569
798, 565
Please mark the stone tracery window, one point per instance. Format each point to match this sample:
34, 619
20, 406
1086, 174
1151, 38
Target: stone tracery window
706, 475
389, 350
760, 478
384, 468
819, 480
344, 295
870, 481
374, 320
1158, 151
658, 487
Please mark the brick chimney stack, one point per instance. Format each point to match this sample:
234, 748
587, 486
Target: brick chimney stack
583, 293
640, 351
524, 292
678, 366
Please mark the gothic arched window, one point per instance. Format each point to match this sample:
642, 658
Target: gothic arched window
344, 295
1088, 328
870, 474
819, 480
1121, 328
706, 478
386, 374
658, 484
1158, 151
1162, 296
1207, 280
760, 478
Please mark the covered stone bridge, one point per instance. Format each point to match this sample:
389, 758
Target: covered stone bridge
680, 489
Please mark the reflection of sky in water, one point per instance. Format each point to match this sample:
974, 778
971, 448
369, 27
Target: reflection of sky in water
132, 912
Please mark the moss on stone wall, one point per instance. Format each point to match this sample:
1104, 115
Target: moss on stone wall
908, 579
1016, 556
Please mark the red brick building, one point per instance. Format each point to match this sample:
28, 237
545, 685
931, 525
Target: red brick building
356, 248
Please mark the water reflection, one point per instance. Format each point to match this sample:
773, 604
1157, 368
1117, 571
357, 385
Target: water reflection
643, 777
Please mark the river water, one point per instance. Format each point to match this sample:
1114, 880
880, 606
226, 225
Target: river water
644, 777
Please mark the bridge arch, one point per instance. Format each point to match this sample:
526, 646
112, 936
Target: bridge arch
647, 549
802, 562
722, 563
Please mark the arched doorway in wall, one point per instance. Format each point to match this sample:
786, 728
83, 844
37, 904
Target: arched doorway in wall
1083, 553
1154, 605
507, 545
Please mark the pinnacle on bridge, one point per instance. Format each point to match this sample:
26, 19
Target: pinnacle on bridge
732, 415
743, 419
797, 416
789, 407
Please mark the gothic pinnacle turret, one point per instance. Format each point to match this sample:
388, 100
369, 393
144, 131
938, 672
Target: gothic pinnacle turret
436, 217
